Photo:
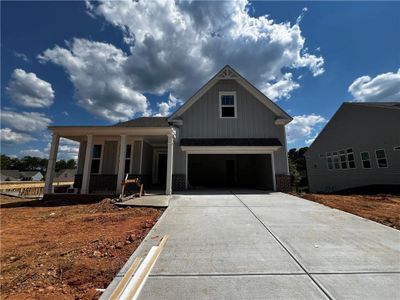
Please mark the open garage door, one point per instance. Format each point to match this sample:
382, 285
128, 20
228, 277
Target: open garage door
230, 171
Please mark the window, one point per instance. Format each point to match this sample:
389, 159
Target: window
329, 161
366, 163
96, 159
381, 158
336, 162
396, 148
350, 158
128, 156
343, 159
227, 101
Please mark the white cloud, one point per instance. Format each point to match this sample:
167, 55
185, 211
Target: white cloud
304, 128
12, 137
97, 71
281, 89
67, 149
33, 152
165, 108
175, 47
28, 90
31, 122
22, 56
383, 87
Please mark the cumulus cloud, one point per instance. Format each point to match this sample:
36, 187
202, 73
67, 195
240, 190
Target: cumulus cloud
67, 149
28, 90
282, 88
304, 128
97, 71
175, 46
383, 87
33, 152
11, 137
165, 108
31, 122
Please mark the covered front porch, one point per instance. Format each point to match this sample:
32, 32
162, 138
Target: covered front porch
108, 153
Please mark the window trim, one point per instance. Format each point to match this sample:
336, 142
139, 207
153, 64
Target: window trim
227, 93
376, 158
362, 160
130, 158
97, 158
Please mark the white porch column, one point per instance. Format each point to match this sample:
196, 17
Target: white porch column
87, 165
121, 162
170, 160
48, 188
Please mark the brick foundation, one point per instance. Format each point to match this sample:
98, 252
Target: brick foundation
282, 183
178, 182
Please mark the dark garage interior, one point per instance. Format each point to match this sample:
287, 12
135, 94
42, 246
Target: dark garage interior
230, 170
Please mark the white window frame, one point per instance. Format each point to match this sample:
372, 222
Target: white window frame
98, 158
227, 93
329, 156
376, 157
347, 158
362, 160
129, 158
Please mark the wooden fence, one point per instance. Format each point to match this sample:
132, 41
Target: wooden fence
27, 188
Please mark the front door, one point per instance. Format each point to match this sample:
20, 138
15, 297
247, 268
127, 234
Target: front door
162, 169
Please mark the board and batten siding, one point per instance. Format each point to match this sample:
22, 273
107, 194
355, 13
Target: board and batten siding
254, 120
109, 157
81, 156
361, 128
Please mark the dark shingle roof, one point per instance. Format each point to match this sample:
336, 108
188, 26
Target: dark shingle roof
393, 105
230, 142
145, 122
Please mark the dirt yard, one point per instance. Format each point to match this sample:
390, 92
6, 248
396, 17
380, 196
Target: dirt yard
383, 209
66, 250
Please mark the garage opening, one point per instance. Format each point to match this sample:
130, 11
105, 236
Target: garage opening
230, 170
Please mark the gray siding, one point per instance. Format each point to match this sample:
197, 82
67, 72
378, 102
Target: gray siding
81, 156
109, 157
147, 159
362, 129
254, 120
137, 153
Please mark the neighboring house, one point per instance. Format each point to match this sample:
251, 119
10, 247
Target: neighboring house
360, 146
65, 175
15, 175
9, 175
228, 134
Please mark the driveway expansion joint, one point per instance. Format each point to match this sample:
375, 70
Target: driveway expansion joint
286, 249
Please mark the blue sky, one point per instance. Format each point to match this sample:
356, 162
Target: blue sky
96, 63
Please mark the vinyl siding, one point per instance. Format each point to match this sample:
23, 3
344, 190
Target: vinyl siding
362, 129
109, 157
137, 153
254, 120
81, 156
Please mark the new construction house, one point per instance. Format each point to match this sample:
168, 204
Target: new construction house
359, 147
228, 134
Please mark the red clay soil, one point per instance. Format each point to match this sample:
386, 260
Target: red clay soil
384, 209
64, 250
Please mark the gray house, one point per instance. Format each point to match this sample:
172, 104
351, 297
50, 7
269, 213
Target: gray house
228, 134
360, 146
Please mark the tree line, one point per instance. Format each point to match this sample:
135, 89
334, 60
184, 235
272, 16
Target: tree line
31, 163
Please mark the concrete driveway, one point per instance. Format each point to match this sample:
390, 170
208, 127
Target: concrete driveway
229, 245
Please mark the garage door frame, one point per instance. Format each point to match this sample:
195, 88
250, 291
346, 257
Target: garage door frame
229, 150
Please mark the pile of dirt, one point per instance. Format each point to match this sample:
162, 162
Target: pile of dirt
384, 209
67, 251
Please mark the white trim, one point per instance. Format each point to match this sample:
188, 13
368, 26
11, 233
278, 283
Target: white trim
362, 161
98, 158
220, 105
229, 149
141, 158
376, 158
232, 74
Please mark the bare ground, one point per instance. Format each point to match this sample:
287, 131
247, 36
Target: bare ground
384, 209
63, 250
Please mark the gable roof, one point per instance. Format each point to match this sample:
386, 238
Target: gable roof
391, 105
228, 72
145, 122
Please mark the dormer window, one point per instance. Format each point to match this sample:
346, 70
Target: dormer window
227, 104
